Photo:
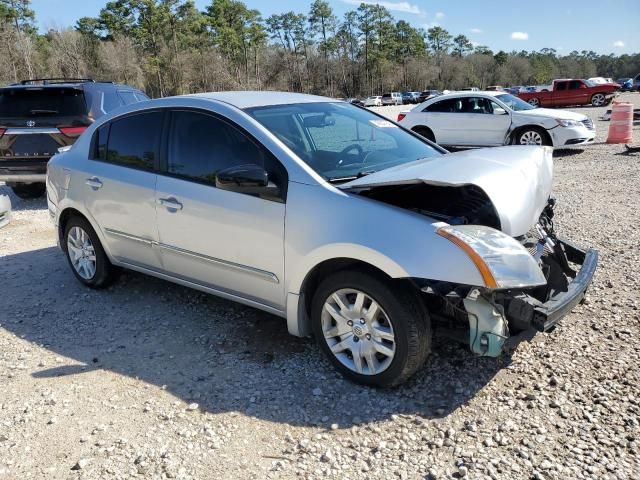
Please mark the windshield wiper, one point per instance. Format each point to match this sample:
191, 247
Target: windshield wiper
350, 177
36, 112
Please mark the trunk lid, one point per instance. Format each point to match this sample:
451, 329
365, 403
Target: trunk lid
517, 180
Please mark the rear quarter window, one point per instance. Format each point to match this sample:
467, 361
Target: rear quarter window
44, 101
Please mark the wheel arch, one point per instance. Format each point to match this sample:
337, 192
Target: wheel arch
302, 288
429, 132
71, 211
516, 131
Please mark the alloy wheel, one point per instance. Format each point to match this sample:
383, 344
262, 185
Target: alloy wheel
358, 331
534, 102
531, 137
81, 253
598, 100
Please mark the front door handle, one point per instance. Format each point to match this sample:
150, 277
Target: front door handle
94, 182
170, 203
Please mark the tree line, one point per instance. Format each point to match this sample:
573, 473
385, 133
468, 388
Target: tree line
170, 47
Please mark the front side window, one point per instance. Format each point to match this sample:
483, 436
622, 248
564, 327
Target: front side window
575, 84
340, 141
134, 140
452, 105
201, 145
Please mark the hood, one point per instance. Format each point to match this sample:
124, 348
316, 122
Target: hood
549, 113
516, 179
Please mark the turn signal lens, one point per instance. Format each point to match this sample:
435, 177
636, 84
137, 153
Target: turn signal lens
401, 116
487, 276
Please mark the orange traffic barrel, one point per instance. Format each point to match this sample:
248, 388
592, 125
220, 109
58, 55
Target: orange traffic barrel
621, 126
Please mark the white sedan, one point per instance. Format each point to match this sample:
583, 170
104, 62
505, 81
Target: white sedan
5, 210
486, 119
373, 101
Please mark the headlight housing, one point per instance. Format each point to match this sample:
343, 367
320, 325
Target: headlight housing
502, 262
567, 123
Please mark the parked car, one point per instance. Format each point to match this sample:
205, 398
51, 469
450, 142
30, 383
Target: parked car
514, 90
600, 80
495, 88
392, 98
426, 94
626, 84
5, 210
475, 119
194, 190
470, 89
410, 97
636, 82
567, 92
355, 101
38, 116
374, 101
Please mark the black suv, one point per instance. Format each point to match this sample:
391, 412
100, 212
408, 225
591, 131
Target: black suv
41, 115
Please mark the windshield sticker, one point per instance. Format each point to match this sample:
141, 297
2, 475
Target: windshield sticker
383, 124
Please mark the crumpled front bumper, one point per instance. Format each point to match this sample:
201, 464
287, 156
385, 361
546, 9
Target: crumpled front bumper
547, 314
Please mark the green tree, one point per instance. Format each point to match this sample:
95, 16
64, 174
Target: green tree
323, 23
461, 46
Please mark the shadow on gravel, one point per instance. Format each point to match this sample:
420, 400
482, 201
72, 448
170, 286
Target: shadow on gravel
18, 204
222, 355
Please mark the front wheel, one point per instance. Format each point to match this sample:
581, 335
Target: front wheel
531, 136
598, 100
85, 254
372, 331
27, 191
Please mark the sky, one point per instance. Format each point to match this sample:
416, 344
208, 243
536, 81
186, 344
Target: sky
604, 26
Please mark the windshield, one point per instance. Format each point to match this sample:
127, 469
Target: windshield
340, 141
514, 103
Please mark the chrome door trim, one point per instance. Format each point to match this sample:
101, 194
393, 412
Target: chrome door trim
117, 233
30, 131
203, 288
271, 277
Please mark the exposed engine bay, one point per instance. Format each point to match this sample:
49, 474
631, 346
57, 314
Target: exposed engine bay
468, 204
485, 318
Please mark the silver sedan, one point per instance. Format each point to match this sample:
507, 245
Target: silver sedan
352, 228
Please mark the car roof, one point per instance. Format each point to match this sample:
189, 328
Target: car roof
249, 99
469, 93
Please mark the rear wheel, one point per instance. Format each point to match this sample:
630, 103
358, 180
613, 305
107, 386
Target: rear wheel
85, 254
534, 102
598, 100
426, 132
29, 190
371, 330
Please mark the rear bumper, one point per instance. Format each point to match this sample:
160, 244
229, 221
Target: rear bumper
23, 170
546, 316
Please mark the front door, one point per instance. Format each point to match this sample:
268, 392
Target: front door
228, 241
119, 184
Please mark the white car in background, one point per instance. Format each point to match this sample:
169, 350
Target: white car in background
373, 101
5, 210
392, 98
486, 119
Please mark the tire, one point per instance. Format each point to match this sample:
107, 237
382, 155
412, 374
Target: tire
426, 132
598, 100
531, 136
395, 341
27, 191
534, 102
103, 272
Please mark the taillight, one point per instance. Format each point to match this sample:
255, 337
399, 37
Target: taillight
72, 131
401, 116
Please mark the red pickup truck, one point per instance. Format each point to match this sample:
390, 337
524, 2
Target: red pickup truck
572, 92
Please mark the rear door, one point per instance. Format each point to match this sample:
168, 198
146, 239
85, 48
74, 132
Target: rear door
118, 186
36, 121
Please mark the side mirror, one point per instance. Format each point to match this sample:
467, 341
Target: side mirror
499, 111
250, 179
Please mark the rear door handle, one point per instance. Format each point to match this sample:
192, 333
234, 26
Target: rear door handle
94, 182
170, 203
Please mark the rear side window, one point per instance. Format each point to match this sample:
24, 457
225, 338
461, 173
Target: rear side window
134, 141
110, 100
561, 85
128, 97
39, 102
445, 106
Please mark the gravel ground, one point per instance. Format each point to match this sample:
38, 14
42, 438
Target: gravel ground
152, 380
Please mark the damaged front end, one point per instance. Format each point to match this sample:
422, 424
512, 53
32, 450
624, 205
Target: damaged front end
493, 318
